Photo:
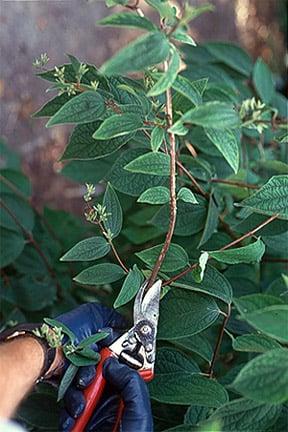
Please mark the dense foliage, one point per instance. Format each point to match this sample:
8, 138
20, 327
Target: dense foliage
189, 155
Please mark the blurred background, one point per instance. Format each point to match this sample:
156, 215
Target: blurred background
29, 28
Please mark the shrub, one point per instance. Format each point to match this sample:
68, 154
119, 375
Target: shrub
190, 154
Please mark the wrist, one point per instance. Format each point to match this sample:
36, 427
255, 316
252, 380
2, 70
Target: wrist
52, 356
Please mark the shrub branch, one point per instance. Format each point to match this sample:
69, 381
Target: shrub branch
219, 341
227, 246
173, 202
109, 240
31, 240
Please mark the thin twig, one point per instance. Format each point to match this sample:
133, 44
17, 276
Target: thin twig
173, 201
219, 341
275, 260
227, 246
234, 183
193, 181
181, 274
31, 239
109, 240
250, 233
227, 228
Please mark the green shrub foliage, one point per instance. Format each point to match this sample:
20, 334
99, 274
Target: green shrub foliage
196, 131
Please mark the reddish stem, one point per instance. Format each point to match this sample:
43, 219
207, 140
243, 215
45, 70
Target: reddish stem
227, 246
193, 180
234, 183
219, 341
173, 202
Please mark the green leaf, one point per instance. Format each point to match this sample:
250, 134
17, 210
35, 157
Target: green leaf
39, 411
90, 354
231, 55
157, 137
246, 415
197, 344
114, 220
265, 378
154, 49
156, 195
276, 166
52, 106
150, 163
254, 302
211, 220
192, 90
12, 245
281, 423
90, 340
85, 108
132, 183
79, 360
164, 9
271, 320
112, 3
100, 274
254, 343
271, 198
167, 79
279, 288
172, 361
20, 208
67, 379
245, 254
218, 115
11, 179
126, 19
183, 37
82, 145
32, 292
87, 250
278, 226
197, 312
184, 389
196, 414
118, 125
263, 81
64, 328
190, 217
175, 259
187, 196
140, 235
214, 284
266, 313
192, 12
226, 142
87, 171
130, 287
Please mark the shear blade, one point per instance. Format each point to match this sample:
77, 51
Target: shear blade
146, 306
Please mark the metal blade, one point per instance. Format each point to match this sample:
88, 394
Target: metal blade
147, 306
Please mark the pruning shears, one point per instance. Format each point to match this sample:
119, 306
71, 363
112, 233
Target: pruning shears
136, 348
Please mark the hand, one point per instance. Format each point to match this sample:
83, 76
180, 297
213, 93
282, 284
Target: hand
122, 383
89, 318
121, 380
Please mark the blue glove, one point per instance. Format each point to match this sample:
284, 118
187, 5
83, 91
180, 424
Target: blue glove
122, 382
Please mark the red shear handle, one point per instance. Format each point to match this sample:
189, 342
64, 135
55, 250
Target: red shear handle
93, 393
95, 390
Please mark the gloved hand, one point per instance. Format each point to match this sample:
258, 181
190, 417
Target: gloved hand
122, 381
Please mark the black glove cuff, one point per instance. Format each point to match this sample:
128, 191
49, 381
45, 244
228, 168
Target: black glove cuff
26, 330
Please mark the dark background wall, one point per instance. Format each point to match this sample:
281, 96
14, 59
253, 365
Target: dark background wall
29, 28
